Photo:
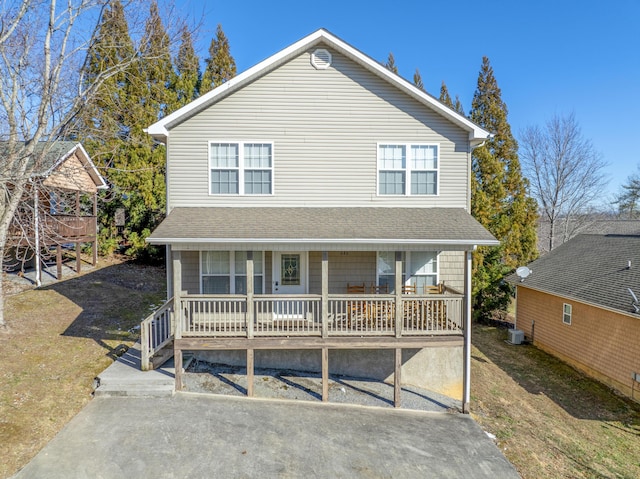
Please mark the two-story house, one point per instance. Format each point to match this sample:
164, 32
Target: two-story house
319, 203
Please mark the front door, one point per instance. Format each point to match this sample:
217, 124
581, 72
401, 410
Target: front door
289, 277
289, 272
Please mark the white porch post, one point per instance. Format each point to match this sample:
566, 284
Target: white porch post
250, 294
399, 305
176, 260
176, 267
325, 294
466, 381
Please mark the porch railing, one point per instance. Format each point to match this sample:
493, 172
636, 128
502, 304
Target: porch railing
302, 315
156, 331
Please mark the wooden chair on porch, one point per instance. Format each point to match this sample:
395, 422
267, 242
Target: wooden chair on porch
379, 289
356, 288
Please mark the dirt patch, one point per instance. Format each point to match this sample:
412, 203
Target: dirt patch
549, 419
205, 377
60, 337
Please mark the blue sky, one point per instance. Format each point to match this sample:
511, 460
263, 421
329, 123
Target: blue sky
549, 56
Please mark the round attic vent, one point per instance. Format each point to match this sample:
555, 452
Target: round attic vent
321, 59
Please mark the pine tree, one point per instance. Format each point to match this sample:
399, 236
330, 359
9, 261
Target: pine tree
188, 77
417, 80
391, 64
444, 95
221, 66
102, 118
628, 198
457, 106
139, 169
499, 199
132, 163
104, 122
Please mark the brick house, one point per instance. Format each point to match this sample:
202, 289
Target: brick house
576, 305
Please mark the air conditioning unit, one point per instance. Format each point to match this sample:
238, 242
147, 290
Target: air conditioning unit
516, 336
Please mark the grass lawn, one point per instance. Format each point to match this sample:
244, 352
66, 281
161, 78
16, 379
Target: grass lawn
549, 420
60, 337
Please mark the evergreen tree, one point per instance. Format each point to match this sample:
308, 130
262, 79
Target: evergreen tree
188, 77
444, 95
102, 118
132, 163
105, 120
457, 106
499, 199
391, 64
221, 66
417, 80
628, 198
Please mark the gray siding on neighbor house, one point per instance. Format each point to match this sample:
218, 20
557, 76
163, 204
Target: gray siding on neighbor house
325, 126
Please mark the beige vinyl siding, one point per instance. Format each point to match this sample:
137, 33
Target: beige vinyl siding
325, 126
344, 267
191, 272
451, 264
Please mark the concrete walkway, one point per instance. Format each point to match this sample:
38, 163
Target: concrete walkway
203, 436
125, 378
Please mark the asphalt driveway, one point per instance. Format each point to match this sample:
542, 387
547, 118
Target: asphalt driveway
205, 436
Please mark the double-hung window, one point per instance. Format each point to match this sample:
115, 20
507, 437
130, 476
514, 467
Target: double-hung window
407, 169
566, 313
241, 168
419, 268
225, 272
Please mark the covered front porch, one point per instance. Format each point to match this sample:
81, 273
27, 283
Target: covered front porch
296, 293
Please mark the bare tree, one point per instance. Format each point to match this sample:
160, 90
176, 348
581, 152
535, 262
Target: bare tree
43, 44
565, 171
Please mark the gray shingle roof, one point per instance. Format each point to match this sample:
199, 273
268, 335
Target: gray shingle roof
374, 225
590, 268
584, 227
55, 151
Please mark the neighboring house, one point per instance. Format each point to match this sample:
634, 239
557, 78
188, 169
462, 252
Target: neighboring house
319, 202
587, 224
59, 207
576, 305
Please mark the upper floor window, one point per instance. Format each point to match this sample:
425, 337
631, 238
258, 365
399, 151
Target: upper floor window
407, 169
241, 168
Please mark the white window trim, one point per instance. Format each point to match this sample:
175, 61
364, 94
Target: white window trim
407, 169
241, 169
406, 265
232, 270
566, 315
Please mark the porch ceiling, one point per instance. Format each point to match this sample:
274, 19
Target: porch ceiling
326, 228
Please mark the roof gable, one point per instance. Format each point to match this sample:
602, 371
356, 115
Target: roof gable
596, 269
52, 157
160, 129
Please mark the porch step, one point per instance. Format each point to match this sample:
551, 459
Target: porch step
125, 378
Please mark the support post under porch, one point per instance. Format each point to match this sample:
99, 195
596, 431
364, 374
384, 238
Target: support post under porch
466, 369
